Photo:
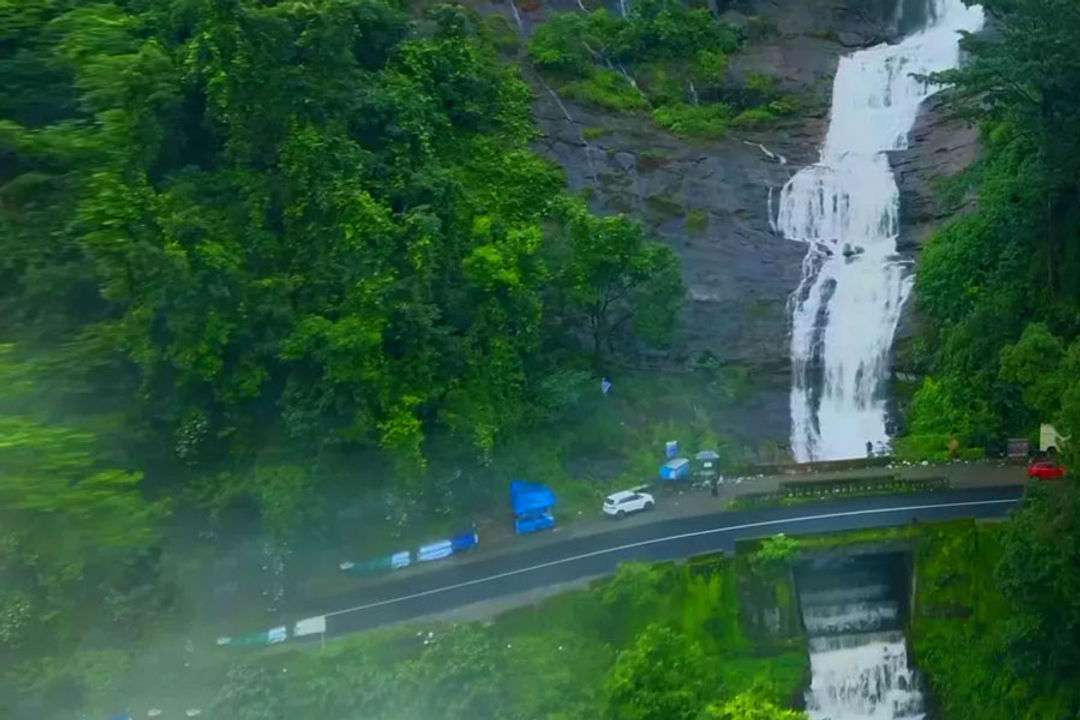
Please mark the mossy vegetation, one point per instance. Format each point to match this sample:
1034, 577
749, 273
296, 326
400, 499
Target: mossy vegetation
697, 221
664, 57
701, 121
650, 636
606, 89
663, 206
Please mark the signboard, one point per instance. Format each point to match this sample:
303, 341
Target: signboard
310, 626
1018, 447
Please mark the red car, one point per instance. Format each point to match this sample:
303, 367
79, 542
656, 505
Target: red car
1045, 470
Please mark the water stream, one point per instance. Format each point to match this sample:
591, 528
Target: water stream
845, 208
853, 615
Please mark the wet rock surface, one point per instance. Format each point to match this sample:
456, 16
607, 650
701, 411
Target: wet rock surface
940, 147
713, 202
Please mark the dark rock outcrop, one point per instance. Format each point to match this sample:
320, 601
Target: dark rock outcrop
714, 202
939, 147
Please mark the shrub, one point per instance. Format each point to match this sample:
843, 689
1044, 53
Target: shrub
753, 118
922, 447
775, 552
607, 89
697, 221
694, 121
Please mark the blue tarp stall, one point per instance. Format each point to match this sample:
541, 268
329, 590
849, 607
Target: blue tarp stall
676, 469
532, 503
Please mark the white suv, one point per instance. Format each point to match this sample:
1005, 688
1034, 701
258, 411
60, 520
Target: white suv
623, 503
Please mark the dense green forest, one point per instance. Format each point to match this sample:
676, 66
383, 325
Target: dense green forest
998, 297
238, 237
255, 252
999, 288
996, 616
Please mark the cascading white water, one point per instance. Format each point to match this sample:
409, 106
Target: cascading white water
862, 677
858, 656
847, 306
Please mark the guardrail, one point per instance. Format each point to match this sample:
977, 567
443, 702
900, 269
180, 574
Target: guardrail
794, 491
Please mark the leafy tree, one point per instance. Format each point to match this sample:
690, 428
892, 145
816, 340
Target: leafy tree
251, 693
776, 552
459, 676
68, 522
1033, 364
1039, 575
749, 706
617, 281
305, 210
664, 675
1015, 260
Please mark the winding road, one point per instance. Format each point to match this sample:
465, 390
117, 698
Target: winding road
474, 580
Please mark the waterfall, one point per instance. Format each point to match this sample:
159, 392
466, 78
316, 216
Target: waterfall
862, 677
846, 208
858, 655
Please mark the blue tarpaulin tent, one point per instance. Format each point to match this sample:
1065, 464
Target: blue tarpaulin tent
532, 503
676, 469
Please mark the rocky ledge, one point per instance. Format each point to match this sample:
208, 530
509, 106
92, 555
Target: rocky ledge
714, 202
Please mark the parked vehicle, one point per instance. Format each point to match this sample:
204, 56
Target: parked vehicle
621, 504
1045, 470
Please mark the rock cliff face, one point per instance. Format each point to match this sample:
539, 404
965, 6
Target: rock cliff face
714, 202
940, 147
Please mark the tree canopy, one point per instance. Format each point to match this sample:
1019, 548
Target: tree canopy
998, 287
304, 209
234, 233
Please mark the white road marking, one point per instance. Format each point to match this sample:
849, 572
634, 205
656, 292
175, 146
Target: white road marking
669, 538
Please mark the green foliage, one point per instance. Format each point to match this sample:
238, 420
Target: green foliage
775, 553
915, 448
749, 706
768, 113
663, 56
244, 241
697, 221
998, 287
1039, 576
311, 208
655, 641
618, 281
607, 89
988, 600
663, 675
652, 30
68, 521
705, 121
1033, 363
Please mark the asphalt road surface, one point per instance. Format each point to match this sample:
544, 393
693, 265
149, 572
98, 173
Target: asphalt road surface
456, 585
